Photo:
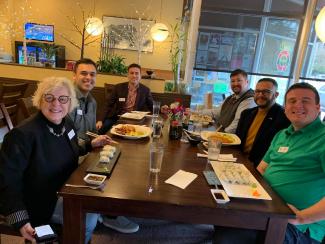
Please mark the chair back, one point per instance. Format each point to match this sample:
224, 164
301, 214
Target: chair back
5, 118
5, 122
108, 90
26, 108
9, 95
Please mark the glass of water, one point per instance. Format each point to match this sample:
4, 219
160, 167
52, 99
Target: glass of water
155, 109
156, 156
214, 147
157, 124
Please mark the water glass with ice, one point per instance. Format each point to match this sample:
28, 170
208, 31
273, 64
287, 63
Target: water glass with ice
155, 109
214, 147
197, 128
157, 124
156, 156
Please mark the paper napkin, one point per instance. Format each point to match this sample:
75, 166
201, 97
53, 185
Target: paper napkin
181, 179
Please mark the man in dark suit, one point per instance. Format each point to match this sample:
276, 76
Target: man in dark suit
257, 126
127, 96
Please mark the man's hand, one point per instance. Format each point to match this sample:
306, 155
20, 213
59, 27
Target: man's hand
99, 125
27, 232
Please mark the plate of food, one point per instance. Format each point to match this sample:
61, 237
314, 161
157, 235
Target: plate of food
129, 131
135, 116
203, 118
225, 138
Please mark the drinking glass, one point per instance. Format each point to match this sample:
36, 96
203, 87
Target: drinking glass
214, 147
155, 108
197, 128
157, 124
156, 156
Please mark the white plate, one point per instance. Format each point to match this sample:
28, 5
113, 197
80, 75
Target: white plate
146, 131
136, 116
94, 179
204, 118
140, 112
240, 190
235, 139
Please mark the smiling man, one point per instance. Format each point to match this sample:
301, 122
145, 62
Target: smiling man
126, 96
228, 113
257, 126
294, 165
84, 115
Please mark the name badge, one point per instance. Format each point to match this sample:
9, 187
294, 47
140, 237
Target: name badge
71, 134
79, 111
121, 99
283, 149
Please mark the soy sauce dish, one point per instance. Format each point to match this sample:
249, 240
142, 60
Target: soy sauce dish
94, 179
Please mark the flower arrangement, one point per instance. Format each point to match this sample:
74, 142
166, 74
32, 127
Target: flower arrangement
174, 112
178, 116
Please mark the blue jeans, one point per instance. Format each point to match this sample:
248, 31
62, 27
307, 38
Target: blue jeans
227, 235
295, 236
91, 219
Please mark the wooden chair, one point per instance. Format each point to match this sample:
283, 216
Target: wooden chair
5, 118
108, 90
25, 107
9, 95
168, 98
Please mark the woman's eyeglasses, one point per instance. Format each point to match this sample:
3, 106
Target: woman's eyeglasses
51, 98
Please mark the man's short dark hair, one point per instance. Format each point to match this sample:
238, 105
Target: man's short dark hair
273, 81
303, 85
84, 61
238, 72
134, 66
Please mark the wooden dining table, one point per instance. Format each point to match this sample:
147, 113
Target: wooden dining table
131, 190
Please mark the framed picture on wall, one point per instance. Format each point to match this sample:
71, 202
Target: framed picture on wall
130, 34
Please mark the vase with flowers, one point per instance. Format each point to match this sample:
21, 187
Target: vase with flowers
175, 115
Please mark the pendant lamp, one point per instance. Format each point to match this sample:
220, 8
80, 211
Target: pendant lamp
320, 25
159, 31
94, 26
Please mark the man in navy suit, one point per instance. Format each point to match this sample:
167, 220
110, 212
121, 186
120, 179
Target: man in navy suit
126, 96
257, 126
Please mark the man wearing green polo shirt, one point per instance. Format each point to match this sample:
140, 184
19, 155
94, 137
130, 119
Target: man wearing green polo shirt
294, 165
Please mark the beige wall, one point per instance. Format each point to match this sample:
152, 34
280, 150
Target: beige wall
55, 12
36, 73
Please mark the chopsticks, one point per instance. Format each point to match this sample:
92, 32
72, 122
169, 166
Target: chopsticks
96, 135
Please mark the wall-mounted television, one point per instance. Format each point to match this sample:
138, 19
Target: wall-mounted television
39, 32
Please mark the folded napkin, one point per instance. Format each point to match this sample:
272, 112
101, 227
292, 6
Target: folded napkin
222, 157
200, 155
227, 157
181, 179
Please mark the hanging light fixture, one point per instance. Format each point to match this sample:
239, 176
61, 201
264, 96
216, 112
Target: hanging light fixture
94, 26
320, 25
159, 31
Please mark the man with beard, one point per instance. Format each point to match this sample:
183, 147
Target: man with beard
257, 126
228, 113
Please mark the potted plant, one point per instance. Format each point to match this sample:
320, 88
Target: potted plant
176, 52
113, 64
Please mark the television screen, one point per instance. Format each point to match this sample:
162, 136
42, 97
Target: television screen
34, 54
39, 32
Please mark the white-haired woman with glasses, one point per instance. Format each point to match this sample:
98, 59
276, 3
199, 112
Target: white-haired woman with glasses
37, 157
